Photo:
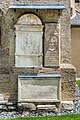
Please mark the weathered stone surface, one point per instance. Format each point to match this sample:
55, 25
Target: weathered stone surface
29, 30
26, 113
11, 108
47, 108
39, 89
9, 103
47, 16
67, 105
68, 82
1, 106
0, 14
8, 75
3, 102
1, 97
29, 106
51, 44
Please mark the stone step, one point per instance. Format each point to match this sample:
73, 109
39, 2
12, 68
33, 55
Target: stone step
47, 107
1, 97
2, 102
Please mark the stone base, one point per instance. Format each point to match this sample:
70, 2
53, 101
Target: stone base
67, 106
51, 108
68, 82
8, 106
38, 108
55, 108
1, 97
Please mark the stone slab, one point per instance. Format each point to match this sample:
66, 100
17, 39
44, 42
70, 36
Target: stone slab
1, 97
45, 106
51, 44
36, 6
67, 105
38, 89
27, 53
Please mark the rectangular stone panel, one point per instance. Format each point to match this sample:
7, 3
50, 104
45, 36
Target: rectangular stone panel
28, 49
38, 89
51, 44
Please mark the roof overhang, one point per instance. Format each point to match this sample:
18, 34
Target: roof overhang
37, 6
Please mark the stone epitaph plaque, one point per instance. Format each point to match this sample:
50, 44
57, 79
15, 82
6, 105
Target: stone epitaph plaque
38, 88
28, 48
51, 44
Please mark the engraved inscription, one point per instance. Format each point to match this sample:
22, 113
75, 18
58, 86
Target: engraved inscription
29, 31
38, 89
51, 48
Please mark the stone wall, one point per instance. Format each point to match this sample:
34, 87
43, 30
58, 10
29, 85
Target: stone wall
68, 82
64, 21
8, 72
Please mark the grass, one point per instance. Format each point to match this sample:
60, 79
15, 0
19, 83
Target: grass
78, 83
62, 117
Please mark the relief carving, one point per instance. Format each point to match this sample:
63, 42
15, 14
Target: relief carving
29, 46
28, 41
29, 19
51, 44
